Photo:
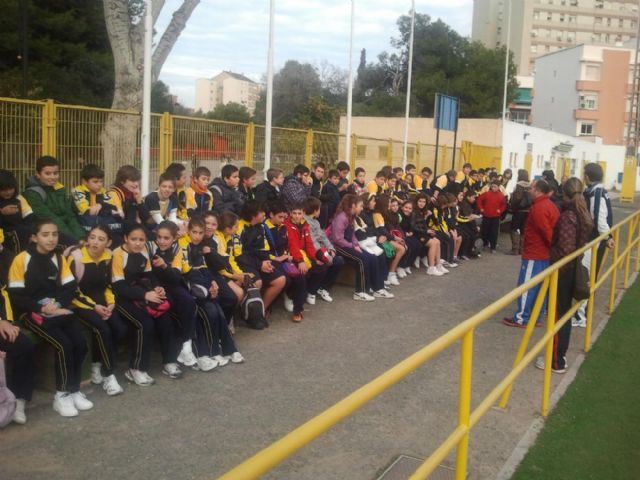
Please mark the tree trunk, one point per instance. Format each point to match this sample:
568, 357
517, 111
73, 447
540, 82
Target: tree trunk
120, 134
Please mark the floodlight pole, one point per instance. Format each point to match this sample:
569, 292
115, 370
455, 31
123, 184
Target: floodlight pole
408, 104
145, 140
347, 138
269, 112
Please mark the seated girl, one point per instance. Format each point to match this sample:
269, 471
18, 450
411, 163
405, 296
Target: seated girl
427, 237
125, 196
438, 224
95, 305
467, 224
42, 288
141, 301
415, 248
398, 247
162, 205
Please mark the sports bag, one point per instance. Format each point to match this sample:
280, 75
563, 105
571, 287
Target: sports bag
581, 286
7, 399
252, 307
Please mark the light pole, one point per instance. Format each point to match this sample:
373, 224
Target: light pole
410, 62
145, 139
347, 147
506, 63
269, 109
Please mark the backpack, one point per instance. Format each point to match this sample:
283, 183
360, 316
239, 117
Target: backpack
252, 308
7, 399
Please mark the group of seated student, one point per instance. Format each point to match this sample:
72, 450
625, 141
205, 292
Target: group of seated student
182, 261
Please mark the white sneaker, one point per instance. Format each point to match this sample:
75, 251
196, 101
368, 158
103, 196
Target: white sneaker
434, 271
111, 386
387, 283
96, 373
186, 356
172, 370
393, 278
81, 402
235, 357
311, 299
416, 263
579, 322
401, 272
222, 361
425, 261
450, 265
363, 297
324, 295
382, 293
206, 363
63, 404
139, 378
288, 303
19, 416
408, 271
441, 269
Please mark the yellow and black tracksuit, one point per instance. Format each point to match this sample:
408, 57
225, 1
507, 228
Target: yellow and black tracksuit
438, 223
94, 288
253, 250
131, 279
17, 226
198, 201
37, 279
20, 353
468, 228
212, 333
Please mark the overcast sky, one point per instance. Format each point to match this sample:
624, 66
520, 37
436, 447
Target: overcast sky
232, 35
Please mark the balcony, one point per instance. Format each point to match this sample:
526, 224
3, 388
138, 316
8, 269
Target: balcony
582, 114
588, 85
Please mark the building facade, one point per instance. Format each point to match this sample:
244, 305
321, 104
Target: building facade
224, 88
539, 27
585, 91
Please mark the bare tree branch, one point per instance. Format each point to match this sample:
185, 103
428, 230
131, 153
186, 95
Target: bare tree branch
170, 35
157, 8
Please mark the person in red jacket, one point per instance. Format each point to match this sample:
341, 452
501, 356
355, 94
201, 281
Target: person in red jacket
315, 264
538, 234
492, 204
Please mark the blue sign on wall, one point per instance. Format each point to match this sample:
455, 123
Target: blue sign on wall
446, 112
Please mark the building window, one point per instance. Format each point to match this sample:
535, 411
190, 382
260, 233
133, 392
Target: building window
572, 19
534, 49
411, 152
597, 20
570, 37
608, 22
383, 151
549, 16
589, 101
361, 151
620, 22
587, 129
562, 17
592, 72
536, 15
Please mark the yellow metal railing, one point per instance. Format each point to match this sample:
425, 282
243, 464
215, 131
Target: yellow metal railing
277, 452
78, 135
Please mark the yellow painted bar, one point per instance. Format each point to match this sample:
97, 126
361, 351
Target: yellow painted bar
248, 145
548, 357
638, 250
354, 152
592, 296
23, 101
439, 455
418, 158
614, 274
390, 152
524, 343
464, 405
49, 135
308, 150
627, 262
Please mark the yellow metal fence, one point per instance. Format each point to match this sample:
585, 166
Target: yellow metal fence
77, 135
468, 417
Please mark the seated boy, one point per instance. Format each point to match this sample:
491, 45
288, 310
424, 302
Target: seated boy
317, 265
343, 170
225, 190
49, 199
90, 201
269, 190
330, 196
423, 181
247, 176
15, 214
198, 197
378, 186
125, 197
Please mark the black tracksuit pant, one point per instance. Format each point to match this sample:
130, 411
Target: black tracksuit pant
20, 354
106, 336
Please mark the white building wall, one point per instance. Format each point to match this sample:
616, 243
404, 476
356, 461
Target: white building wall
519, 139
203, 95
555, 96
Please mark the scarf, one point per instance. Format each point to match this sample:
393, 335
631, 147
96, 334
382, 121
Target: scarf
197, 188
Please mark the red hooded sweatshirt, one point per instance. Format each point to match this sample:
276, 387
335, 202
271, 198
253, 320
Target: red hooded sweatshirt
538, 232
492, 204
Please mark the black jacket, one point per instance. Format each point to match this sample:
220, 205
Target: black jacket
265, 192
224, 197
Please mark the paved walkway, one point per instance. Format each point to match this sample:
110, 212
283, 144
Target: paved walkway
204, 424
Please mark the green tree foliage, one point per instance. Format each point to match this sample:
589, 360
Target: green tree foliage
443, 61
231, 112
161, 100
69, 56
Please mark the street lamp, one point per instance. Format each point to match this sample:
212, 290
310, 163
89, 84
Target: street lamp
269, 109
347, 148
410, 62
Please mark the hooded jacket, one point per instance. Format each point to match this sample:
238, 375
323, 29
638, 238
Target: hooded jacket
265, 192
225, 198
294, 191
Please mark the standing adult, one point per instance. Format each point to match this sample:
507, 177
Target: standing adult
599, 207
519, 204
570, 234
538, 234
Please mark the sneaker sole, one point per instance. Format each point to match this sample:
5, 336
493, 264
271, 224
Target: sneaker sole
171, 375
129, 377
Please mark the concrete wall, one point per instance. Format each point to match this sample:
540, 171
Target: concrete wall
555, 97
541, 144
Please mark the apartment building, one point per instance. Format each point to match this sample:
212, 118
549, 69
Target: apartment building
224, 88
585, 91
539, 27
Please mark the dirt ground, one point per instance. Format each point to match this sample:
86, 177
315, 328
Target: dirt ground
204, 424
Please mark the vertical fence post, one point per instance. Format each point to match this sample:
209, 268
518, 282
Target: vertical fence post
464, 405
614, 271
49, 135
627, 261
308, 150
443, 155
166, 141
548, 357
390, 152
418, 158
593, 268
248, 144
354, 152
